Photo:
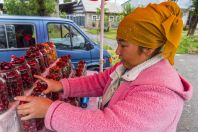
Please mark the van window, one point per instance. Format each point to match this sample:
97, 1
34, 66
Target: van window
78, 40
25, 35
11, 36
3, 43
17, 36
65, 37
59, 34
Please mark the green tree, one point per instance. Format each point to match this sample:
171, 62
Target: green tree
62, 14
16, 7
127, 9
65, 1
106, 18
193, 19
57, 11
30, 7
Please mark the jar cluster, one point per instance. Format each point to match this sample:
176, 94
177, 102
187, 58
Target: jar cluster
17, 75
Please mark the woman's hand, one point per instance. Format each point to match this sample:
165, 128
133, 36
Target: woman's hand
53, 86
36, 107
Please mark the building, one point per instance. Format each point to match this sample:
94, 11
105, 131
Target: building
84, 12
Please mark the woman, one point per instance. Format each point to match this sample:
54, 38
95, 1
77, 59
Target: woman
142, 93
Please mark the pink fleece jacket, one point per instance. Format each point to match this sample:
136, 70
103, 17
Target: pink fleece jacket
151, 103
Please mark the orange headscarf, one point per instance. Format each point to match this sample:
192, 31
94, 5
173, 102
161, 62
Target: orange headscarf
154, 26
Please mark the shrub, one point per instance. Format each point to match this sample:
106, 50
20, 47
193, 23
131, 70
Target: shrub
188, 45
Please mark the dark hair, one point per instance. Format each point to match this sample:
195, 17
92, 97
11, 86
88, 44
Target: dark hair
157, 51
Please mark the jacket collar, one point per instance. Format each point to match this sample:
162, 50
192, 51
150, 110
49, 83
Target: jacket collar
132, 74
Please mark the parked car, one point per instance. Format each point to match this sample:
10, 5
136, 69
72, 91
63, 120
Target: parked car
17, 33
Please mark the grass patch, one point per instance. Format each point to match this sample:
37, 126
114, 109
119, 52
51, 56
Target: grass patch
107, 47
111, 51
115, 58
188, 44
92, 31
110, 35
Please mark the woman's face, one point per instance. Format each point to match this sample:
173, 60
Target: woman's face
129, 54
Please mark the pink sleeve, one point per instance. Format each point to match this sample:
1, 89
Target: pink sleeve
145, 109
91, 86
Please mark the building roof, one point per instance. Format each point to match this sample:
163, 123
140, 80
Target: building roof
91, 6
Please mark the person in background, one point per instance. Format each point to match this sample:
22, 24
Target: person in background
141, 93
19, 37
28, 39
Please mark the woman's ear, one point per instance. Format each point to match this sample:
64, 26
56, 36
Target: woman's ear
148, 51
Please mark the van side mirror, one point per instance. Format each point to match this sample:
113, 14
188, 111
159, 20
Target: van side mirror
88, 46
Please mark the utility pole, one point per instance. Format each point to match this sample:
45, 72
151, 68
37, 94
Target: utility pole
57, 8
101, 35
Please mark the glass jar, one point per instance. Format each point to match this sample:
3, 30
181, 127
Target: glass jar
65, 68
24, 68
55, 73
39, 124
45, 57
49, 52
40, 87
45, 54
81, 69
33, 52
3, 96
34, 66
39, 57
13, 80
65, 64
79, 72
81, 64
27, 125
53, 48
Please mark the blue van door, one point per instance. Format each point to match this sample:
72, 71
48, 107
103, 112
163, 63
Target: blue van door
68, 41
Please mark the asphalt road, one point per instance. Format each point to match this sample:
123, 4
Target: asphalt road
186, 65
96, 38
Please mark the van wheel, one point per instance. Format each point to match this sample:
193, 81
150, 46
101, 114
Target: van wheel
95, 68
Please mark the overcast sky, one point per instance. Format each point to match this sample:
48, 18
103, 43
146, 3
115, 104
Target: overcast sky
118, 1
